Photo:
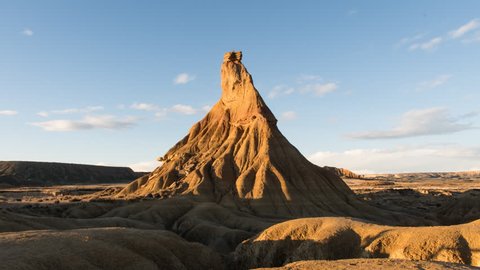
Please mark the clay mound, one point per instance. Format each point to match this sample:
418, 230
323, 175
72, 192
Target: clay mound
31, 173
110, 248
341, 238
236, 156
207, 223
370, 264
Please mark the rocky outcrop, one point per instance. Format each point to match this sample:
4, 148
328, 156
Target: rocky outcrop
237, 157
30, 173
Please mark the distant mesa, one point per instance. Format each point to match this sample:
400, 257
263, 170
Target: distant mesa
31, 173
237, 157
342, 172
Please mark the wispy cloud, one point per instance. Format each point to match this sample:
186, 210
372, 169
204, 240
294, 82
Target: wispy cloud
280, 90
320, 89
402, 158
183, 109
431, 121
88, 123
304, 84
183, 78
428, 45
409, 40
8, 113
27, 32
436, 82
163, 112
289, 115
418, 42
206, 108
88, 109
464, 29
145, 107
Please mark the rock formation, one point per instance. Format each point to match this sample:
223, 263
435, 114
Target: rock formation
237, 157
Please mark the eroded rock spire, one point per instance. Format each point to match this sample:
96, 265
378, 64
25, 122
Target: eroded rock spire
237, 157
239, 96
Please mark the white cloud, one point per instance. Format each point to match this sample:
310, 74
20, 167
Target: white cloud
428, 45
87, 109
305, 84
431, 44
87, 123
145, 166
280, 90
206, 108
409, 40
183, 109
8, 113
416, 158
436, 82
431, 121
27, 32
462, 30
183, 78
144, 107
163, 112
289, 115
320, 89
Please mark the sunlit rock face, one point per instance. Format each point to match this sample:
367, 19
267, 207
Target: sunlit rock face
236, 156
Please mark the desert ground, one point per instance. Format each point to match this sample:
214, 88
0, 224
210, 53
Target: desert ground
234, 193
40, 225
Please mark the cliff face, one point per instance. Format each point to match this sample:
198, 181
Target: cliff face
28, 173
236, 156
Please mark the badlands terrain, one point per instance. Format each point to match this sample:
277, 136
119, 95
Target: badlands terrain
235, 194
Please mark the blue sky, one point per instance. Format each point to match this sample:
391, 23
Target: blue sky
372, 86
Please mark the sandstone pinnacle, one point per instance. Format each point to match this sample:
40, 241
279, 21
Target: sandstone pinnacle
236, 156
